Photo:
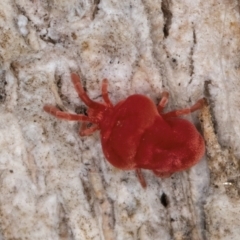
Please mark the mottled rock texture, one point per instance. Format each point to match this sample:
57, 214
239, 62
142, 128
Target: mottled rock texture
57, 185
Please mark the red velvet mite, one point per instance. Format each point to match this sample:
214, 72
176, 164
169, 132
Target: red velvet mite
136, 134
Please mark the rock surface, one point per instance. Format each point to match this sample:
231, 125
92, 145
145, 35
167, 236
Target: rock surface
57, 185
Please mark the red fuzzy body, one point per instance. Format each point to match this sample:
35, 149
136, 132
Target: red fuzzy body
136, 134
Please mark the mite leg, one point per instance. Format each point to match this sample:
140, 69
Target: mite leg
162, 174
105, 93
141, 178
81, 93
84, 131
198, 105
163, 102
65, 115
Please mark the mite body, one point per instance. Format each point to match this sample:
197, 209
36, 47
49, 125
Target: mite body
136, 134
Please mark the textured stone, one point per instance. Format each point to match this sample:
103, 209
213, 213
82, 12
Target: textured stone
57, 185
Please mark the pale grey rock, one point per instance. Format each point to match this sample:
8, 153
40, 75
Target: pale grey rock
57, 185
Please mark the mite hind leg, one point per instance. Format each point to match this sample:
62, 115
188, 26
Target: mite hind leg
198, 105
163, 102
141, 178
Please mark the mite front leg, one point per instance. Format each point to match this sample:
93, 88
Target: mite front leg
81, 93
163, 102
65, 115
105, 93
198, 105
85, 131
